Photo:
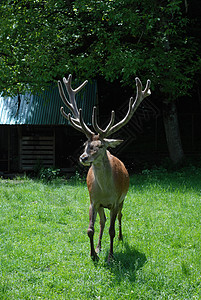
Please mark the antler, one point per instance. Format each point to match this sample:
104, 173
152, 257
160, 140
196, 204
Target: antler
77, 122
133, 105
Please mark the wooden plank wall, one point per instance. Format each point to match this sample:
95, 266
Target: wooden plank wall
37, 150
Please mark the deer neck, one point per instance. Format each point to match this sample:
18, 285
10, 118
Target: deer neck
103, 171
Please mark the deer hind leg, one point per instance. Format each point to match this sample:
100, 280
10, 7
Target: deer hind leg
90, 231
113, 215
119, 218
102, 226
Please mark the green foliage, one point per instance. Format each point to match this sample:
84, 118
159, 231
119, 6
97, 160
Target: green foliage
45, 249
48, 174
42, 41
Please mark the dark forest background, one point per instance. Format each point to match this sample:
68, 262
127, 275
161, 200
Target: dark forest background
113, 42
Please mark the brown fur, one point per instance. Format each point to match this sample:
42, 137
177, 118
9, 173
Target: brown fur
120, 175
108, 183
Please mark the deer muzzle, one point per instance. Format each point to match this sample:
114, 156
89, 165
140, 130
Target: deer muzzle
84, 159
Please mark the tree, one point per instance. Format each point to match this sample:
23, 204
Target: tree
43, 39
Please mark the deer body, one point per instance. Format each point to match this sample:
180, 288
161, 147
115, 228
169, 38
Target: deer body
108, 183
107, 179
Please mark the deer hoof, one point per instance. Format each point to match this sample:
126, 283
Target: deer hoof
95, 257
110, 259
98, 249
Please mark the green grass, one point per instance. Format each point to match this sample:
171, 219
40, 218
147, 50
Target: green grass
44, 248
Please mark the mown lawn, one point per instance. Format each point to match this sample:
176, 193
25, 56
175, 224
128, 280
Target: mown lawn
44, 248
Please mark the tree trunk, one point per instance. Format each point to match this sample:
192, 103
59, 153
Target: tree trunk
172, 133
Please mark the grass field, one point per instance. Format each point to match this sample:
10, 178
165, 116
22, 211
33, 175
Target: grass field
44, 248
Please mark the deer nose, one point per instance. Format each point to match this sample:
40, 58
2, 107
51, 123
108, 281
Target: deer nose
84, 158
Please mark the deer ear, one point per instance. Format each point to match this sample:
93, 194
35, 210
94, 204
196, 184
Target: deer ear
112, 143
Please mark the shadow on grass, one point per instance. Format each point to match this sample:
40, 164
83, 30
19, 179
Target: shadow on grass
126, 262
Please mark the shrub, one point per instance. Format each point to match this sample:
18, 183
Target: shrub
48, 174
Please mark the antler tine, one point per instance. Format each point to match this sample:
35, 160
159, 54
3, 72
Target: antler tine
71, 94
77, 121
69, 87
68, 116
63, 113
123, 122
100, 131
63, 96
141, 94
74, 124
80, 87
94, 121
133, 105
86, 129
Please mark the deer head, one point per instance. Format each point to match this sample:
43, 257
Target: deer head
97, 142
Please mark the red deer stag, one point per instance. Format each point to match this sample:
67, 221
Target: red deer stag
107, 178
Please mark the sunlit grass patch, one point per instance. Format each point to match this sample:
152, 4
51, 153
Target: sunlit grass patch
44, 247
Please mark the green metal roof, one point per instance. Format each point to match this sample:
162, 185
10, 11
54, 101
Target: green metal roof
44, 109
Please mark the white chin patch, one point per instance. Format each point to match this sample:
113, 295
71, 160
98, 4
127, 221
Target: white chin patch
85, 163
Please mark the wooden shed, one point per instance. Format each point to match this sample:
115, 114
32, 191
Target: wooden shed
34, 134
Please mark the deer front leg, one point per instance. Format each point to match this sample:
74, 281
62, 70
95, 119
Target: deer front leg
113, 215
90, 231
102, 226
119, 218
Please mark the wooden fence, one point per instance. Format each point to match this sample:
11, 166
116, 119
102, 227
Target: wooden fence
36, 150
